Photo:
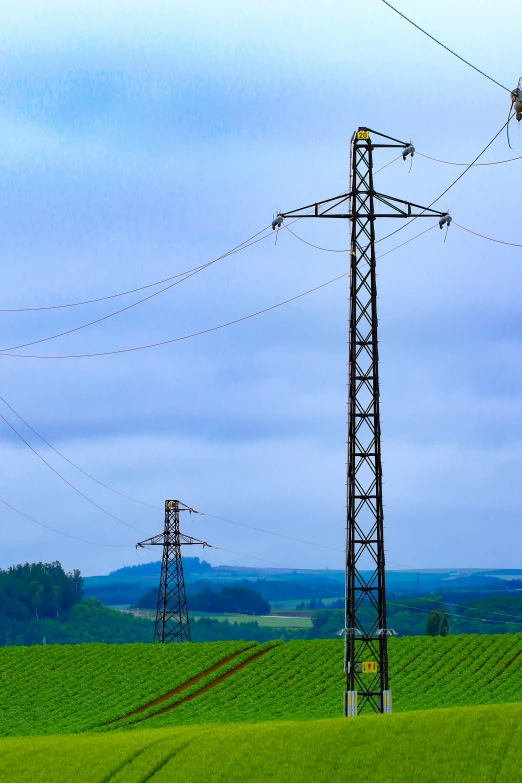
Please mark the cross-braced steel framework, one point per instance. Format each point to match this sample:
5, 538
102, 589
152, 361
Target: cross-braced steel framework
172, 619
366, 633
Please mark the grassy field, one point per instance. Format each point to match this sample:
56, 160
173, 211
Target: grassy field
268, 621
61, 689
473, 745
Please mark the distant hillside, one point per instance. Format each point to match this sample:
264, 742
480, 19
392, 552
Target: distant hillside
191, 565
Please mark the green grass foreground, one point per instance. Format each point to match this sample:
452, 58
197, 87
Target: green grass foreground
469, 745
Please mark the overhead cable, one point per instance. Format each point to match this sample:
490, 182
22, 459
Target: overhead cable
460, 606
444, 45
88, 499
133, 290
61, 532
204, 331
101, 298
251, 557
388, 164
341, 589
490, 239
329, 250
177, 339
271, 532
316, 247
101, 483
454, 618
475, 165
488, 145
282, 535
135, 304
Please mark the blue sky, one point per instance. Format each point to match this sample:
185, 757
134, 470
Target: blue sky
139, 140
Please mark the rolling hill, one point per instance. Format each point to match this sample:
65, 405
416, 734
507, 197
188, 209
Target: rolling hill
470, 745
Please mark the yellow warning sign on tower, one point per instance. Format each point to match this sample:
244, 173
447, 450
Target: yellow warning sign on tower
367, 667
363, 135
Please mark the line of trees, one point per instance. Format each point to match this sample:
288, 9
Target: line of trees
38, 591
437, 623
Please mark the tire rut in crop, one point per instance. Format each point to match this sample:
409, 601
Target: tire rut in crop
210, 685
179, 689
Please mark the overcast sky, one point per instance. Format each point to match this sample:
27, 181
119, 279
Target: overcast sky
139, 140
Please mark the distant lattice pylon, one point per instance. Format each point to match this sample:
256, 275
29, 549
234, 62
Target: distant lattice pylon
172, 619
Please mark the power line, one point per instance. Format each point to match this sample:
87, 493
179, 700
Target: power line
251, 557
476, 165
184, 337
388, 164
488, 145
336, 592
443, 45
101, 483
407, 241
329, 250
280, 535
204, 331
103, 318
454, 617
271, 533
490, 239
316, 247
101, 298
129, 307
133, 290
460, 606
66, 480
61, 532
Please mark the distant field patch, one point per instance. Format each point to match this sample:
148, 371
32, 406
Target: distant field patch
267, 621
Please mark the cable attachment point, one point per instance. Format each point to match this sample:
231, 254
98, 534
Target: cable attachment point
277, 222
516, 99
409, 150
445, 220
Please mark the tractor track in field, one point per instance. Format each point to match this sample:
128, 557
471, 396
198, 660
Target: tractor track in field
203, 690
179, 689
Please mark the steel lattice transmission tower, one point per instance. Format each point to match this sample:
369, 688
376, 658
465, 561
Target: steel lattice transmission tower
172, 619
366, 632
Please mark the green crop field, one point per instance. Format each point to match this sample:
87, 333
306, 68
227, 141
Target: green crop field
469, 745
304, 680
63, 689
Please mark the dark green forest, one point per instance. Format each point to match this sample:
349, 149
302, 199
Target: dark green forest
41, 603
234, 599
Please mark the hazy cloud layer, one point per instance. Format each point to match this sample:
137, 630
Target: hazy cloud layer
137, 144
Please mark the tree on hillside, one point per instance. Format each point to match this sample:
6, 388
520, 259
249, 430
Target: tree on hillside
326, 623
444, 626
433, 623
243, 600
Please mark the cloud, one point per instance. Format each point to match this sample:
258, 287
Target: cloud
139, 144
